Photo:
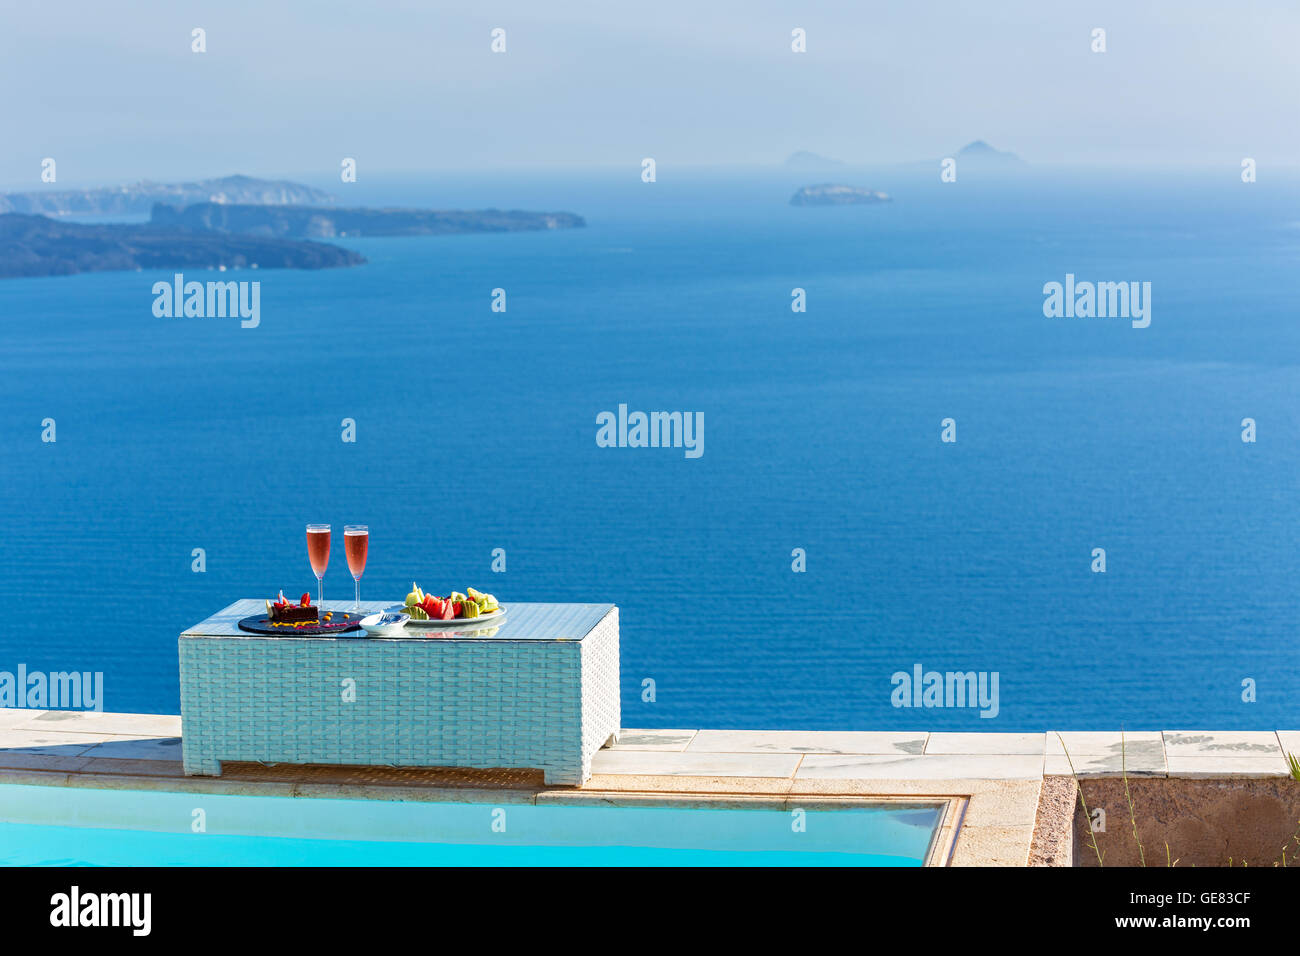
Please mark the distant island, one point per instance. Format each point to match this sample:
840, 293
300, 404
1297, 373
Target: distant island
832, 194
139, 198
316, 223
804, 160
981, 152
235, 222
40, 246
977, 153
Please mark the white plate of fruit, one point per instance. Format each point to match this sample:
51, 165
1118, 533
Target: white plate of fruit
469, 609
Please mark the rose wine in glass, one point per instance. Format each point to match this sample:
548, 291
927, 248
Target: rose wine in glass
318, 553
356, 542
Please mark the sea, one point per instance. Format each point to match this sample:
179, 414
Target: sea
1098, 543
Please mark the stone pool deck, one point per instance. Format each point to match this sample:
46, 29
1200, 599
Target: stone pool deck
992, 782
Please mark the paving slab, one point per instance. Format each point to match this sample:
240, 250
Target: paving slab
653, 740
807, 742
92, 722
1148, 763
14, 716
993, 846
50, 743
688, 783
1290, 741
924, 767
1104, 742
981, 743
896, 787
1004, 803
137, 748
1209, 743
651, 762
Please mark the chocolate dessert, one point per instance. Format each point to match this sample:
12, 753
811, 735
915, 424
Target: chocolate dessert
294, 613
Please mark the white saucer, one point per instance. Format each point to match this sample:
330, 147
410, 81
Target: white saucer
385, 624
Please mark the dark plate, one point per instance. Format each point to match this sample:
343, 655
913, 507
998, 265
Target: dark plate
341, 622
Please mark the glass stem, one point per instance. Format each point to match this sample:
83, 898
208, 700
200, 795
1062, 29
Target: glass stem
320, 592
357, 582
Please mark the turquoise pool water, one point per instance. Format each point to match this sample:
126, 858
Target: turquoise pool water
22, 845
58, 826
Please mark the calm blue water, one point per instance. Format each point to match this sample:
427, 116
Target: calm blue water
136, 828
477, 431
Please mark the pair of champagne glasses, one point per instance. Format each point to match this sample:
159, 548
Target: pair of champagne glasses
356, 542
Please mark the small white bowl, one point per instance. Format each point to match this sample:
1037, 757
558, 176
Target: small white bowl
385, 624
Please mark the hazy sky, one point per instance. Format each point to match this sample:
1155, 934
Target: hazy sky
113, 93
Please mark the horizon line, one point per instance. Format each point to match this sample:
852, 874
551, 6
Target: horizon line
632, 167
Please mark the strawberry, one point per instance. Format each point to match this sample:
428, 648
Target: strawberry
456, 605
306, 599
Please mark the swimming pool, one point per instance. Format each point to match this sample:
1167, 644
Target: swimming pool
56, 826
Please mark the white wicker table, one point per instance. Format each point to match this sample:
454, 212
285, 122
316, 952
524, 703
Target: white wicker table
540, 691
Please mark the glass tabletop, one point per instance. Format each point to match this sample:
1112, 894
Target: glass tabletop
522, 622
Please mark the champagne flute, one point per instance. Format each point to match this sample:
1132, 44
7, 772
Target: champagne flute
356, 542
318, 553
